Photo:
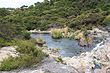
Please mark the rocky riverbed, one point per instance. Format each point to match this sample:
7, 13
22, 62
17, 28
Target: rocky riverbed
87, 61
47, 65
96, 60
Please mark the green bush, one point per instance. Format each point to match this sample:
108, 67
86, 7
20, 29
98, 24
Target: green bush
9, 64
54, 18
59, 59
26, 35
28, 55
74, 23
105, 13
24, 60
71, 37
107, 20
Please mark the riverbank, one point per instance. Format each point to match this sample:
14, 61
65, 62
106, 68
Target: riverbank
97, 60
86, 62
47, 64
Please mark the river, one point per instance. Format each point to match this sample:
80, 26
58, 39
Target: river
68, 48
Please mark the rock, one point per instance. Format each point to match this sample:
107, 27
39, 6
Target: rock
108, 29
108, 39
108, 55
5, 52
100, 71
89, 72
108, 69
108, 50
82, 55
38, 71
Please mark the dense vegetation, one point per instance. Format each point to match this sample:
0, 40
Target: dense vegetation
75, 14
28, 55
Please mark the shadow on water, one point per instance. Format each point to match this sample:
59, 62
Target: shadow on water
69, 48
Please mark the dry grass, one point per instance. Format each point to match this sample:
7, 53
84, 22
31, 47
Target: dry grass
64, 30
40, 40
56, 33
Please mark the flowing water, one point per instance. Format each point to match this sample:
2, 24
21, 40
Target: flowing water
68, 48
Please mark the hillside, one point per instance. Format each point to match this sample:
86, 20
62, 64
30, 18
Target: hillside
75, 14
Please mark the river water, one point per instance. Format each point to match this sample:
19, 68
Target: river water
68, 48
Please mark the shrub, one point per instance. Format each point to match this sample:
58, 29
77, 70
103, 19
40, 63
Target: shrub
107, 20
26, 35
57, 49
9, 64
89, 28
56, 33
71, 37
74, 23
54, 18
28, 55
40, 40
33, 40
59, 59
105, 13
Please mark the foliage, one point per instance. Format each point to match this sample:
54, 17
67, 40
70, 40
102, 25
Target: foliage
26, 35
57, 48
9, 64
59, 59
71, 37
40, 40
107, 20
56, 33
28, 55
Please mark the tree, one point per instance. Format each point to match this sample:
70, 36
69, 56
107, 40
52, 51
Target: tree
23, 7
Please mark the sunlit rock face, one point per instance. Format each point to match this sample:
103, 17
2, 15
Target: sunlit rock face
5, 52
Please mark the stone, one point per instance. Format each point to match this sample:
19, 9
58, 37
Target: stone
38, 71
108, 55
108, 29
108, 39
108, 50
82, 55
89, 72
6, 52
100, 71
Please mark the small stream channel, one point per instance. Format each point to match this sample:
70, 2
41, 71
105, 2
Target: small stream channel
68, 48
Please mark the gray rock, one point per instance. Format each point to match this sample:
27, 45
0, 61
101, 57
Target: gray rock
108, 55
108, 29
100, 71
108, 39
